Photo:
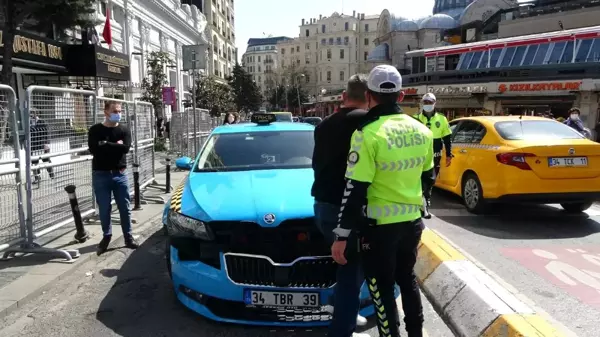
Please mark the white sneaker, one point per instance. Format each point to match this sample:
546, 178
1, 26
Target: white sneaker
360, 320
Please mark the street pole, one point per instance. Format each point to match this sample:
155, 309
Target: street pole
194, 106
299, 103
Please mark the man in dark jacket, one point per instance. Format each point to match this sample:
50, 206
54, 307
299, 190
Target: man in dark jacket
332, 144
40, 143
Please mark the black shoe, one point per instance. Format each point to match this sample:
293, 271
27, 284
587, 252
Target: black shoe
130, 242
103, 245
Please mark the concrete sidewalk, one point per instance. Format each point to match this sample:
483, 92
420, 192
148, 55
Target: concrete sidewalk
23, 278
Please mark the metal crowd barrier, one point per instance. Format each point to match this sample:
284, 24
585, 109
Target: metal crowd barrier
12, 217
55, 154
189, 130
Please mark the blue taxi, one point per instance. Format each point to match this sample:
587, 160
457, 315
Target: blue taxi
242, 244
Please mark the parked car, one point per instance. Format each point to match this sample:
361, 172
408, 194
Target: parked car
521, 159
242, 245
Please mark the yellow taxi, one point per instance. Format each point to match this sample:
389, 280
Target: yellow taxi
521, 159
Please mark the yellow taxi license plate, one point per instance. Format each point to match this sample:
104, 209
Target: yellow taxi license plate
568, 162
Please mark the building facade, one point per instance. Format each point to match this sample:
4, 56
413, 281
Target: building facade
260, 60
220, 15
140, 27
327, 52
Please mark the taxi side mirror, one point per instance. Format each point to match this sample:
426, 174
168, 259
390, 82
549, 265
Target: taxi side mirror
184, 163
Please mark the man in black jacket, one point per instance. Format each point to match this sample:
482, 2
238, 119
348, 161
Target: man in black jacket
40, 143
332, 144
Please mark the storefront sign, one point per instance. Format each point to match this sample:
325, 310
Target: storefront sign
92, 60
544, 86
457, 91
109, 64
30, 47
411, 91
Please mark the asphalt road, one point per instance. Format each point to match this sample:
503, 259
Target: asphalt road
550, 257
129, 294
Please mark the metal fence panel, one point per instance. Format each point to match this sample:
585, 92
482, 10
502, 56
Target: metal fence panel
178, 133
56, 154
144, 141
12, 221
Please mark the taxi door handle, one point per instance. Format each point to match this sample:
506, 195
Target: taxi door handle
462, 151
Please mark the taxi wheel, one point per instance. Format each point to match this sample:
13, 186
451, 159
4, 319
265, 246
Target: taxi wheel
168, 257
576, 207
472, 193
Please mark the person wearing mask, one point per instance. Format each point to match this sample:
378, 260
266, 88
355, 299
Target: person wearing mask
109, 142
442, 140
332, 144
229, 119
575, 122
391, 156
40, 144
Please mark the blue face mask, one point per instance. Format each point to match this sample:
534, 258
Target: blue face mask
115, 117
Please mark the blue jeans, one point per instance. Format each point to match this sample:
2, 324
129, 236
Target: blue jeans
350, 277
106, 184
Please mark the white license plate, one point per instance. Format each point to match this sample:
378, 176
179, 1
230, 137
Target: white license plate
568, 162
281, 299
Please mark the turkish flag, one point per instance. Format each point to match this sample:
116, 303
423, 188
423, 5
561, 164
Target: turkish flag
107, 32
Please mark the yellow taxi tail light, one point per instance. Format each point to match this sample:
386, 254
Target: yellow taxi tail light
515, 159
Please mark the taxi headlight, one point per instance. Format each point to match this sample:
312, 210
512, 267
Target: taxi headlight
181, 225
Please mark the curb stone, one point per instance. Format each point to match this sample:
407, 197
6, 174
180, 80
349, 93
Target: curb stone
46, 282
471, 302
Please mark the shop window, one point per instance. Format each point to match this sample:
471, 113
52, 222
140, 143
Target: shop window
519, 54
528, 59
557, 51
583, 50
567, 56
484, 60
466, 60
495, 57
594, 55
475, 60
508, 55
540, 56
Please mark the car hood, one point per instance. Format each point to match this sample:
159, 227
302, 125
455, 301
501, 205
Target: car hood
249, 196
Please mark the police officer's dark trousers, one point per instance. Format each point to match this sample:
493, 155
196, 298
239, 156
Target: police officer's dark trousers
389, 255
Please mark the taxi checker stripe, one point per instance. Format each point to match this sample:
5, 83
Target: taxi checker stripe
176, 198
392, 210
477, 146
400, 165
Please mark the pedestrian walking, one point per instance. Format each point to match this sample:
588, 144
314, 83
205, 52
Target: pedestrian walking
442, 140
40, 143
391, 154
109, 142
332, 144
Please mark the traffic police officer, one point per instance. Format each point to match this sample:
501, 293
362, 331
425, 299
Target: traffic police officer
442, 136
391, 155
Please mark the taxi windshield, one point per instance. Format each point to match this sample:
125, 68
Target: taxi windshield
257, 151
535, 130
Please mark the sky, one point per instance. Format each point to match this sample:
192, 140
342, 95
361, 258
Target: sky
260, 18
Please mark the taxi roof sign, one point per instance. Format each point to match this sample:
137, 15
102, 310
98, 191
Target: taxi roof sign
263, 118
